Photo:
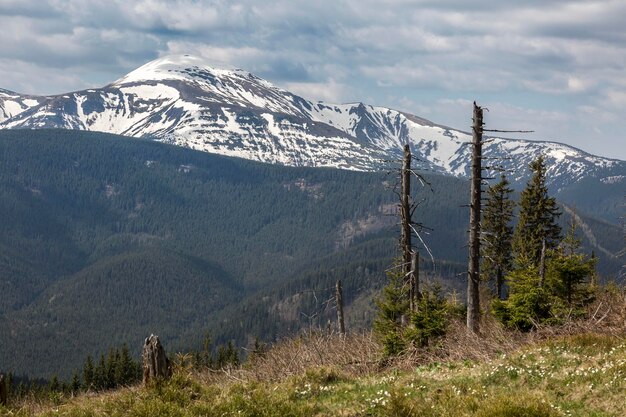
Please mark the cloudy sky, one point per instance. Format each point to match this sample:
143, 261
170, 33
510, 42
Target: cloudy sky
557, 67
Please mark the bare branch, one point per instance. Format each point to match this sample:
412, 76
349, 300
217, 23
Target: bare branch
508, 131
423, 243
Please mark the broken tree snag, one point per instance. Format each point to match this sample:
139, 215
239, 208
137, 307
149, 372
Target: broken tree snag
339, 300
155, 364
405, 211
473, 272
3, 390
414, 288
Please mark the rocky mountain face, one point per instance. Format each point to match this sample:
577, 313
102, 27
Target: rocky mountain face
183, 101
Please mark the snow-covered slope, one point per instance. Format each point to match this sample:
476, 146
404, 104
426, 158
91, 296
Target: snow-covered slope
185, 101
12, 104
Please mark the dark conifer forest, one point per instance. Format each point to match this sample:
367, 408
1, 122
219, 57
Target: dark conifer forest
105, 239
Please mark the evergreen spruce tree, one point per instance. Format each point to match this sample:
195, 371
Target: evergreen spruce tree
54, 384
222, 357
393, 305
100, 374
10, 382
207, 357
569, 275
536, 236
568, 288
88, 373
232, 355
528, 303
537, 219
430, 319
124, 368
75, 384
497, 234
111, 367
197, 359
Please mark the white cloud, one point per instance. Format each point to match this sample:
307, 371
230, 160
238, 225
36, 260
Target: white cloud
577, 84
616, 99
19, 73
243, 57
330, 91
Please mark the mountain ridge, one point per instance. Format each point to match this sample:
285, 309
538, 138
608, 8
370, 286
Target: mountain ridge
184, 101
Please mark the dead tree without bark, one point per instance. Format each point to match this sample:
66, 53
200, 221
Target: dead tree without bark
405, 211
410, 255
473, 272
339, 300
414, 289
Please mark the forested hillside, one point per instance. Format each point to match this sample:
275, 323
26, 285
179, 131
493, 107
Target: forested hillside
104, 240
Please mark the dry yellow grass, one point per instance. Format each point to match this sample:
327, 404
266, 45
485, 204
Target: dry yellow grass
577, 369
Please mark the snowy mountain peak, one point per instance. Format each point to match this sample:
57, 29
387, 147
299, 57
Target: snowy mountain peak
181, 67
187, 101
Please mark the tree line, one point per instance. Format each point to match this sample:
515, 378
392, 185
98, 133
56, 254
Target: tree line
118, 368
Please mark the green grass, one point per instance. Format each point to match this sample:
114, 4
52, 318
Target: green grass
581, 375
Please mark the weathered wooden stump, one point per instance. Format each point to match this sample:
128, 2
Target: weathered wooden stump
3, 390
156, 365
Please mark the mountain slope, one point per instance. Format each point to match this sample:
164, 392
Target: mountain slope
124, 237
184, 101
12, 104
170, 240
228, 112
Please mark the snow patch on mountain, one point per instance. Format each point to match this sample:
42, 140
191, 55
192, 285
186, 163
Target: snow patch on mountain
12, 104
176, 67
612, 179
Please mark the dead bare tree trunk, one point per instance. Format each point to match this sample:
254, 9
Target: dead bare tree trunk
414, 288
405, 211
594, 276
405, 216
473, 273
3, 390
156, 365
339, 299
